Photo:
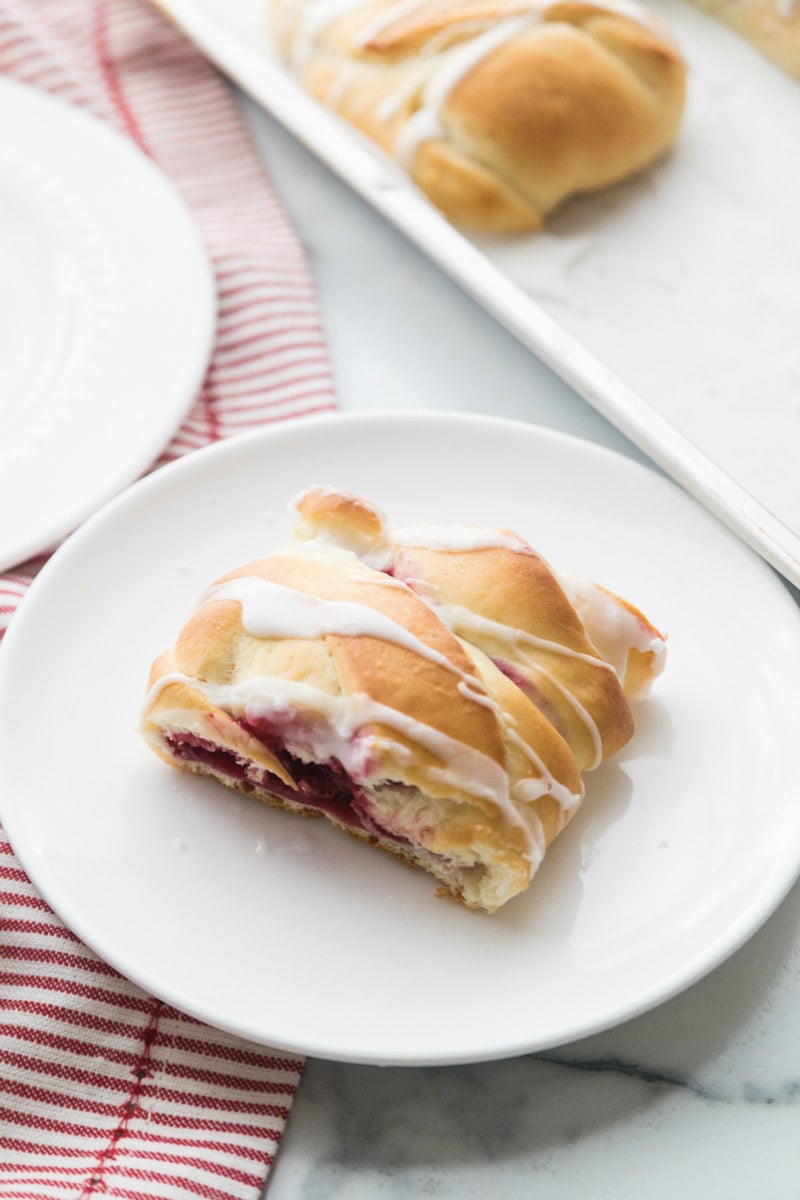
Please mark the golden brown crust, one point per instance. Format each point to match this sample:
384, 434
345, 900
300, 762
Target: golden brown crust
583, 120
387, 673
351, 518
576, 97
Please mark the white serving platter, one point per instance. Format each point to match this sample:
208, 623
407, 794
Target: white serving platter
670, 303
291, 934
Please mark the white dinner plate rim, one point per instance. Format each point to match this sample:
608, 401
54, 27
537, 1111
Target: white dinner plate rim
137, 453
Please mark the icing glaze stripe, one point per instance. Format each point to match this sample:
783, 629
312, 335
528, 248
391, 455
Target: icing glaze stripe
439, 72
464, 768
271, 610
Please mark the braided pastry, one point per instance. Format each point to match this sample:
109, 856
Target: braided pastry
432, 691
499, 109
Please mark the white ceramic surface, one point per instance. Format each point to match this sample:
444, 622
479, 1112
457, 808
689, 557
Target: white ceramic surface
668, 302
107, 312
290, 933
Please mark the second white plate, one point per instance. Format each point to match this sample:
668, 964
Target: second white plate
107, 310
291, 934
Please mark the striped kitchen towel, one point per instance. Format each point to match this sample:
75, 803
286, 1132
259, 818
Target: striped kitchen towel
103, 1089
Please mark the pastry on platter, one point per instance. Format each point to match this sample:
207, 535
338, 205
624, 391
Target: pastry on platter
772, 26
435, 691
499, 109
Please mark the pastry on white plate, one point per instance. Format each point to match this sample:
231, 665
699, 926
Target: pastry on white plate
433, 691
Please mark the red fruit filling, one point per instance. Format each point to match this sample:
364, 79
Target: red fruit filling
324, 786
529, 688
511, 672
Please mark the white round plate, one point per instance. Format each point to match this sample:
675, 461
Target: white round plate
288, 932
107, 312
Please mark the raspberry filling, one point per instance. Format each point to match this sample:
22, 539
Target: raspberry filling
324, 786
529, 688
190, 748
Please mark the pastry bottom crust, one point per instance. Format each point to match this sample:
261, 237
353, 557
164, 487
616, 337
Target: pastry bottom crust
474, 884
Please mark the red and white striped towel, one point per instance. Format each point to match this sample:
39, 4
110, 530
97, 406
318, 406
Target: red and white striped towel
103, 1089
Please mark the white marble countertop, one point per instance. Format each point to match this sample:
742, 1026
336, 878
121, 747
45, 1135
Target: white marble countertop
700, 1097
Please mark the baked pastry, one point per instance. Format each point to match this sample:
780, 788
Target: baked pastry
432, 691
499, 109
772, 26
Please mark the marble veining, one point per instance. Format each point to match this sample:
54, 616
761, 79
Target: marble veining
787, 1093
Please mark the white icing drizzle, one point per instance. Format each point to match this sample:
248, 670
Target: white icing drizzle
787, 9
330, 543
533, 789
456, 617
341, 84
583, 713
439, 73
314, 16
611, 626
528, 789
458, 538
271, 610
474, 690
409, 84
388, 581
451, 67
463, 768
382, 20
422, 588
